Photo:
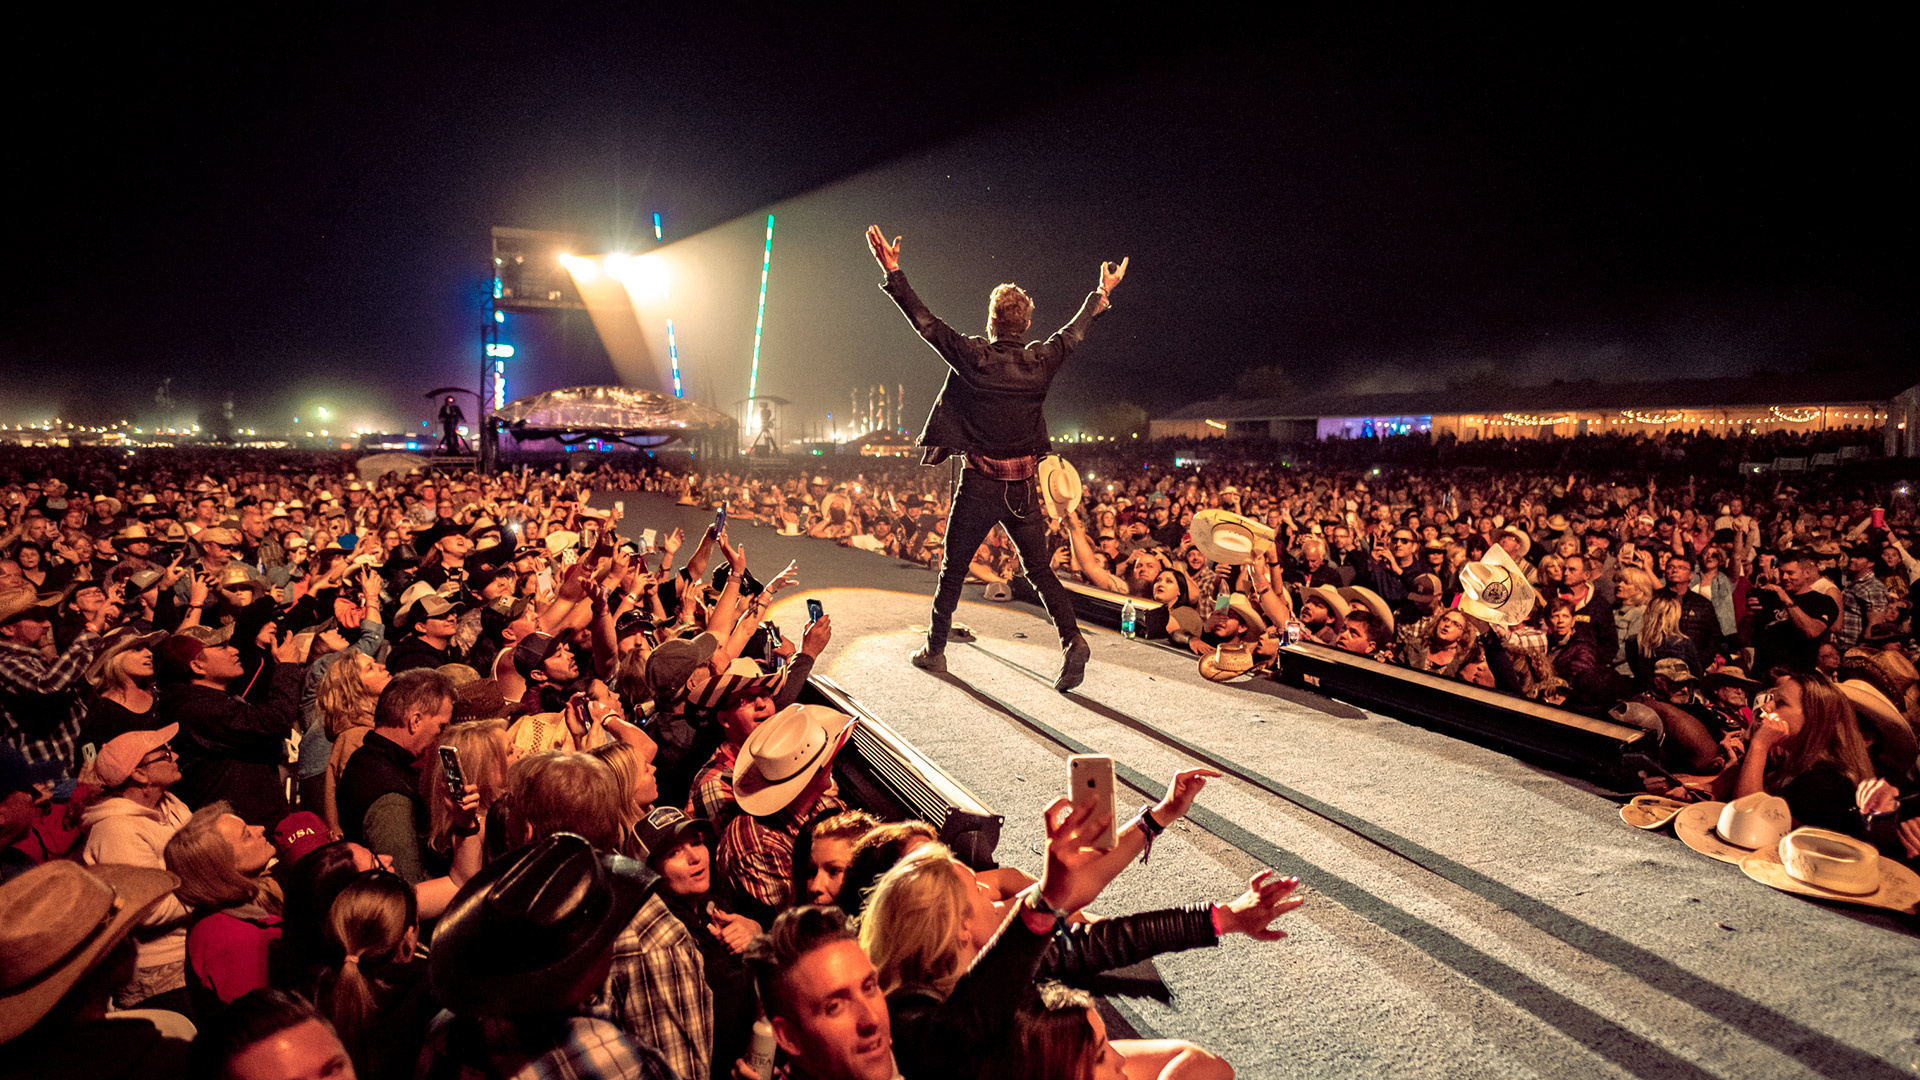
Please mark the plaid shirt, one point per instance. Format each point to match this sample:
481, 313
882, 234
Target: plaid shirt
38, 714
756, 854
1009, 469
657, 989
1863, 595
535, 1048
712, 797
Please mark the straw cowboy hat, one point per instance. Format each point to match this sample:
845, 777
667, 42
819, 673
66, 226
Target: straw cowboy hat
1227, 538
22, 599
784, 754
1519, 534
57, 921
1225, 665
1361, 596
1732, 831
1834, 866
836, 500
1330, 596
561, 540
1059, 484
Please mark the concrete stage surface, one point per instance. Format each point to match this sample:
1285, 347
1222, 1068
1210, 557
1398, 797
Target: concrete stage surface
1467, 914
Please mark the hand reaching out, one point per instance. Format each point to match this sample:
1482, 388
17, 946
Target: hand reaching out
1181, 791
1110, 274
1264, 901
888, 255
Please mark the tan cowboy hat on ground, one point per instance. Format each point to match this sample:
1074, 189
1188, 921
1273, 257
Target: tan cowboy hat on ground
1734, 830
56, 921
1833, 866
1059, 484
1650, 811
1225, 664
784, 754
1361, 596
1227, 538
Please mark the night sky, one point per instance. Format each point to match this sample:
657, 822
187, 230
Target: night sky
296, 213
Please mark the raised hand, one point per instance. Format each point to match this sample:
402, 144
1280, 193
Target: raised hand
1074, 877
1110, 274
887, 254
1264, 901
1181, 791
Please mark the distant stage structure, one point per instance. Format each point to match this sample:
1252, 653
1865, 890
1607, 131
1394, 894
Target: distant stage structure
638, 418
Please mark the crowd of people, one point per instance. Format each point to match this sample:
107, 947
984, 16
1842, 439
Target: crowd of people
304, 773
1650, 580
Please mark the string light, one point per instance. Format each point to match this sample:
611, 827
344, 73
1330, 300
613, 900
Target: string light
1793, 416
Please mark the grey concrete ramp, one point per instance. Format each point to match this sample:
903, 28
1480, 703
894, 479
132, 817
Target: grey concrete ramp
1467, 915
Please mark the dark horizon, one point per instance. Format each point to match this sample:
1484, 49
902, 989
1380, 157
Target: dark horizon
303, 220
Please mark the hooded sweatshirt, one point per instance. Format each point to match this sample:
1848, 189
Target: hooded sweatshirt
122, 831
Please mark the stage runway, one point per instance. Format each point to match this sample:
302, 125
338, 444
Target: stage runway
1467, 914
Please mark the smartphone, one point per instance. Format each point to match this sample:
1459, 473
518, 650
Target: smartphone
720, 519
814, 611
545, 578
1090, 777
456, 780
620, 506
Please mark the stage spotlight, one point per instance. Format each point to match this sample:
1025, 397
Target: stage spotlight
645, 277
583, 270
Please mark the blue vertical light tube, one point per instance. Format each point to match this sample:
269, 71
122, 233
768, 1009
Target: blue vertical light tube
656, 225
760, 319
673, 356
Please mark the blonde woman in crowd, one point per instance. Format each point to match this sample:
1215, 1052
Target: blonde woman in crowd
346, 698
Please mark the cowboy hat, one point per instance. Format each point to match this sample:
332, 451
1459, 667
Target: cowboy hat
59, 919
784, 754
524, 931
1226, 665
1732, 831
1227, 538
1650, 811
1730, 675
743, 679
1833, 866
838, 500
1059, 484
1493, 590
1361, 596
1329, 596
561, 540
673, 663
1526, 542
22, 599
121, 643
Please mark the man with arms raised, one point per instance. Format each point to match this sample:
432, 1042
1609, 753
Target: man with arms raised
991, 411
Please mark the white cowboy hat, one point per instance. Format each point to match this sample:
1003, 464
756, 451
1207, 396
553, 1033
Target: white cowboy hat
1832, 866
838, 499
1059, 484
784, 754
1227, 538
1361, 596
560, 541
1650, 811
1330, 596
1495, 590
1732, 831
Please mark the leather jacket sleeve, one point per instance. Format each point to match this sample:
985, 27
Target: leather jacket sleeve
1089, 948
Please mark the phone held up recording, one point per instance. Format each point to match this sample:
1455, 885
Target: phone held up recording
1090, 776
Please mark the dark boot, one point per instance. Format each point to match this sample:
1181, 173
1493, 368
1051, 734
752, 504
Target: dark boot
1073, 669
929, 658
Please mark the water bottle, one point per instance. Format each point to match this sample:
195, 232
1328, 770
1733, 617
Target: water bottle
1128, 618
1296, 632
760, 1051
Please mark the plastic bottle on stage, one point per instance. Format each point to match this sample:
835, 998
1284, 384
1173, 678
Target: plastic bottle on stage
760, 1051
1296, 632
1129, 619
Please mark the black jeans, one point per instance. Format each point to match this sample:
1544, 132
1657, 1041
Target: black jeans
979, 505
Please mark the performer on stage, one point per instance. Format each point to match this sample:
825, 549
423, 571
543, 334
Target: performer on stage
991, 412
451, 417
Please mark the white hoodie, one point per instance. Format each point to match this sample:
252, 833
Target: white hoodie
123, 832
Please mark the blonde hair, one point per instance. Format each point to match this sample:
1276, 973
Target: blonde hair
483, 763
1660, 624
1641, 582
624, 760
562, 791
203, 860
343, 697
911, 926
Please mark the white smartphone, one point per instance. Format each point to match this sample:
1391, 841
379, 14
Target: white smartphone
620, 506
1090, 777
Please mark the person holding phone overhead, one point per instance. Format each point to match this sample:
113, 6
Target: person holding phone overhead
991, 412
